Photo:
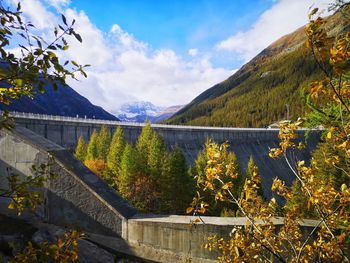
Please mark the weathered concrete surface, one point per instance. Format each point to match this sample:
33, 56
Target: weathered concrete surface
76, 196
171, 239
245, 142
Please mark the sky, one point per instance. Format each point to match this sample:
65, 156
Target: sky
164, 52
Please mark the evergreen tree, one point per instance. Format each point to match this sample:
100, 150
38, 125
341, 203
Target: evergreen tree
143, 146
239, 181
112, 174
97, 166
128, 171
298, 202
156, 154
250, 169
177, 184
91, 152
103, 142
80, 150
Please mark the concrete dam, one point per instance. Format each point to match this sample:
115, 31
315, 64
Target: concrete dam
77, 198
244, 142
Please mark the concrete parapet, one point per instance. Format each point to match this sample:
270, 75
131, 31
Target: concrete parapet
170, 238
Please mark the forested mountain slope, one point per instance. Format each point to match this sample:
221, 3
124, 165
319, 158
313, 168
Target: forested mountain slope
65, 101
261, 91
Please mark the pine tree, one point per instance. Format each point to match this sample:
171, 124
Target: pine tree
91, 152
80, 150
97, 166
239, 181
143, 146
177, 185
128, 171
156, 153
250, 169
103, 142
112, 174
298, 202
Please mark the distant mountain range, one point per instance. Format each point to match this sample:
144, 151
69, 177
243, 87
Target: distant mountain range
64, 102
265, 90
141, 111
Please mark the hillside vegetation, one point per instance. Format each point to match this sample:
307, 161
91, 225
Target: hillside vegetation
261, 91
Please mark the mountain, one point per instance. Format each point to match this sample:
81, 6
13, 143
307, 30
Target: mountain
265, 90
140, 111
64, 102
167, 113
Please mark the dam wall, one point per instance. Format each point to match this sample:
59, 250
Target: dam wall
245, 142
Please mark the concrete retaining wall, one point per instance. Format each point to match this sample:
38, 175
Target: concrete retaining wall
171, 239
75, 197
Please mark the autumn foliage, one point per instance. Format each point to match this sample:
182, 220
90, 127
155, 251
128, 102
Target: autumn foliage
321, 190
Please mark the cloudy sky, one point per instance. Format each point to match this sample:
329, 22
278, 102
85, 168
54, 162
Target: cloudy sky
165, 52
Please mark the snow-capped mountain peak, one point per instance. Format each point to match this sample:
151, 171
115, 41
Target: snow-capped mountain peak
140, 111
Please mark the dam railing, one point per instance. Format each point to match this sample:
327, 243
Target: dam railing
79, 119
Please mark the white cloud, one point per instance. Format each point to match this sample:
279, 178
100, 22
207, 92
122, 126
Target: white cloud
125, 69
193, 52
58, 4
37, 13
282, 18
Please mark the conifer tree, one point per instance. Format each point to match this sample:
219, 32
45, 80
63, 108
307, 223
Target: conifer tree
143, 146
80, 150
298, 201
156, 154
250, 169
239, 181
103, 142
128, 170
177, 184
91, 152
114, 157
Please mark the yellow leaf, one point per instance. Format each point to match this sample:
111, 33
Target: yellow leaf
11, 206
189, 210
343, 145
329, 135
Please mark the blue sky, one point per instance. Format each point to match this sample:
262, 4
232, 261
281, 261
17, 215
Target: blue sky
178, 25
164, 51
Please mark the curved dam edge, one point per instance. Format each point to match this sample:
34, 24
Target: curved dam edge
75, 196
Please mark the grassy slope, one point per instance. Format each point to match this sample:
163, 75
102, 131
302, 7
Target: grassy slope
257, 94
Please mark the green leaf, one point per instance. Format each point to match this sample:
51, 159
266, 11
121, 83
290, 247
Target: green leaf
78, 37
64, 19
314, 11
51, 54
83, 73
